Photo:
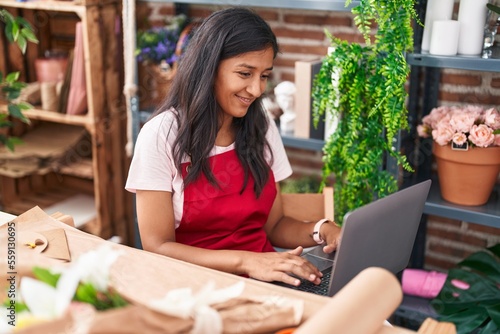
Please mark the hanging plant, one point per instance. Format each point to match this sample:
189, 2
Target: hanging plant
19, 31
363, 87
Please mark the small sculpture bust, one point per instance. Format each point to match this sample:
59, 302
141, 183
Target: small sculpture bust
285, 97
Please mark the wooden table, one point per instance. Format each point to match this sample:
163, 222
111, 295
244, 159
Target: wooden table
141, 276
144, 276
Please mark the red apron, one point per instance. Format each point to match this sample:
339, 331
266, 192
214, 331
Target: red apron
224, 218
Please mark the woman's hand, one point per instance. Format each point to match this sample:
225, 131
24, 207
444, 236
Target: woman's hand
280, 266
330, 232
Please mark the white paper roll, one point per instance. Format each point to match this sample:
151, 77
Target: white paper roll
472, 17
444, 39
436, 10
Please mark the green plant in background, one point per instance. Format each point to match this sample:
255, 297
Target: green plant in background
304, 185
363, 86
493, 8
19, 31
470, 297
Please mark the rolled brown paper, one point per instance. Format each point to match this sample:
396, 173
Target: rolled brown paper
361, 306
49, 95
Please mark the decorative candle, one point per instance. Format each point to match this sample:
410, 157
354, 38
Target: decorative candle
444, 39
436, 10
472, 17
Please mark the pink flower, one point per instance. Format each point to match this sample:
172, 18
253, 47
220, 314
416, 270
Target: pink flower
459, 138
462, 122
442, 135
424, 130
481, 135
470, 124
497, 140
491, 118
437, 115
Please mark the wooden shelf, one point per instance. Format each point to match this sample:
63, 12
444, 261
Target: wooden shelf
53, 116
43, 199
105, 121
82, 168
76, 6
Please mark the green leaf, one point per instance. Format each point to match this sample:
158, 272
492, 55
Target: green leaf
22, 43
484, 263
493, 8
468, 320
5, 16
15, 111
14, 30
29, 35
495, 249
494, 313
46, 276
8, 31
12, 77
24, 106
86, 293
9, 142
490, 328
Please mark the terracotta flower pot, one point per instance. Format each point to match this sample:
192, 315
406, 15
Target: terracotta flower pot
467, 177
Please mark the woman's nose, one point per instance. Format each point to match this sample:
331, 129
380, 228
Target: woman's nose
256, 87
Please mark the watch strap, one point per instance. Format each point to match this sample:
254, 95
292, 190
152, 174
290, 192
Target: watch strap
316, 236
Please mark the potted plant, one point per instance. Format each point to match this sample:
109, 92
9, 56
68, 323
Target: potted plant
363, 87
19, 31
157, 53
466, 141
470, 297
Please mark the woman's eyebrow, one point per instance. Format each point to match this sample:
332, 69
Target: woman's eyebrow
253, 67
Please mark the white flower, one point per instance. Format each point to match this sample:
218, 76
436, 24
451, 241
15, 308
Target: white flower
46, 302
43, 300
91, 267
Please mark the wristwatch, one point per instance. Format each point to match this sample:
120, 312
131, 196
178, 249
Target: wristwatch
317, 226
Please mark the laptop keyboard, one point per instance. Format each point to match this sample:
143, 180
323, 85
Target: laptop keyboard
320, 289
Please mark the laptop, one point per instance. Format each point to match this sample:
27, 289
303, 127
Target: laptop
379, 234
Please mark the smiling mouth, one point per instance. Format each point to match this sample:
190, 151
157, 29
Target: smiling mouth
245, 100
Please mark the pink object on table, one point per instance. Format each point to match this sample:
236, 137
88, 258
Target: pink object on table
422, 283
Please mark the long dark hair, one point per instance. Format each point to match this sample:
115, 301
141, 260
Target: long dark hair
222, 35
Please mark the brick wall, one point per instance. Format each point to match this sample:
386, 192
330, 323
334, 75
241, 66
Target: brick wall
301, 37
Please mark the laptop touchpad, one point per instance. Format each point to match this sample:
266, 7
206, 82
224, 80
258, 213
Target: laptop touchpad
321, 262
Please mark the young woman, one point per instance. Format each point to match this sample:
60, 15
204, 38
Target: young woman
206, 166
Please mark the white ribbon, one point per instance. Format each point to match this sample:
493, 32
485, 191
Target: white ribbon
182, 303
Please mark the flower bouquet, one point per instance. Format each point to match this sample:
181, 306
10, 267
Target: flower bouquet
466, 144
157, 52
158, 44
462, 126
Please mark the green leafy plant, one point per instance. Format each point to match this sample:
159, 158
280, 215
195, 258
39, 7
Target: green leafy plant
470, 297
493, 8
363, 86
303, 185
19, 31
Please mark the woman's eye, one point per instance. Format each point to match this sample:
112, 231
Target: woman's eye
265, 76
244, 74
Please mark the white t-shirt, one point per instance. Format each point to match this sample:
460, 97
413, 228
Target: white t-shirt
153, 167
